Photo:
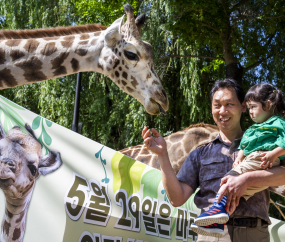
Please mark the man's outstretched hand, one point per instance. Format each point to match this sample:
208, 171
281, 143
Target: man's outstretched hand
155, 144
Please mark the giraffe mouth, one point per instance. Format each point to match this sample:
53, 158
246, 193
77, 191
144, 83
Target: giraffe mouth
162, 111
7, 181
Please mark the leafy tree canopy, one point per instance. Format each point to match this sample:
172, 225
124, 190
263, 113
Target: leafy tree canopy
195, 43
241, 34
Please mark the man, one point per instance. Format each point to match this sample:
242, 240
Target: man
206, 166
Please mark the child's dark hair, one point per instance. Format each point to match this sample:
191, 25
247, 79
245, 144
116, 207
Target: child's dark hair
262, 93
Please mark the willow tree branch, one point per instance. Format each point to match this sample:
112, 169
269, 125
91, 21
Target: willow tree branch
193, 56
236, 6
270, 37
244, 17
256, 64
211, 27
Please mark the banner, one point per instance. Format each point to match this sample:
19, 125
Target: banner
96, 195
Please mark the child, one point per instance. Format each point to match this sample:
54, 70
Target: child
262, 146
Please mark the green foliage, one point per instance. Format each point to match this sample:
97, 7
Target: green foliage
177, 30
110, 116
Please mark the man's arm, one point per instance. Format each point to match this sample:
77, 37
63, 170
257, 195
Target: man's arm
178, 192
236, 186
272, 177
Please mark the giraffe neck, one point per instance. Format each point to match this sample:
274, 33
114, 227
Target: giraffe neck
179, 145
14, 220
24, 61
13, 226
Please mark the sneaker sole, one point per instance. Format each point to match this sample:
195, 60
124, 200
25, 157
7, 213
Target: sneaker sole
211, 232
214, 219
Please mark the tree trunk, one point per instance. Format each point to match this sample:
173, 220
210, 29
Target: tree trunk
234, 71
233, 68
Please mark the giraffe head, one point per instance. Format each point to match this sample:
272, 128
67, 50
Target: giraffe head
21, 162
128, 61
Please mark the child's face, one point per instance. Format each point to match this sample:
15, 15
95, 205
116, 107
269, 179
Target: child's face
257, 113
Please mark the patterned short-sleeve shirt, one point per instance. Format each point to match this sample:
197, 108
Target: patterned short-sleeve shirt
206, 166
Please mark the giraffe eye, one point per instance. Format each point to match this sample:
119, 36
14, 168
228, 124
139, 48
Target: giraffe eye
131, 55
33, 169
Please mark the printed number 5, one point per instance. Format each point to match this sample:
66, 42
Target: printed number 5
76, 197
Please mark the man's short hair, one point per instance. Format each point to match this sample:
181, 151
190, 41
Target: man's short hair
230, 84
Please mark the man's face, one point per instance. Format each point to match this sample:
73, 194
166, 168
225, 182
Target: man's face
227, 109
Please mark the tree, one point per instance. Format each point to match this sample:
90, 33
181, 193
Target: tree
188, 39
108, 115
241, 34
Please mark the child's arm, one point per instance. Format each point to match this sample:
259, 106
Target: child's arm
270, 156
239, 158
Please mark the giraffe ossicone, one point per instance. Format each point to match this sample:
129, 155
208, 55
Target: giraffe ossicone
117, 52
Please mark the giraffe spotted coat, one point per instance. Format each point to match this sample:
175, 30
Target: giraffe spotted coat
29, 56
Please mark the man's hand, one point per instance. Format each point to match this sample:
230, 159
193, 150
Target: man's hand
234, 187
156, 145
177, 192
268, 158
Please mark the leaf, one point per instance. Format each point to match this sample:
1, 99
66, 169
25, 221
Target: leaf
8, 123
17, 118
12, 104
46, 137
49, 123
36, 122
151, 181
41, 141
106, 180
98, 153
126, 173
136, 170
121, 180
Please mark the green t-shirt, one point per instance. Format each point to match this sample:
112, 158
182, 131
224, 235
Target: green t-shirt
265, 136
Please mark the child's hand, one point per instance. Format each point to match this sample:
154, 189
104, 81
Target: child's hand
268, 159
237, 161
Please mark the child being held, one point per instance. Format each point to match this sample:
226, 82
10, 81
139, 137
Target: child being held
262, 146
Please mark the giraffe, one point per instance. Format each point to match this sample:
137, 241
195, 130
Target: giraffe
179, 145
21, 163
28, 56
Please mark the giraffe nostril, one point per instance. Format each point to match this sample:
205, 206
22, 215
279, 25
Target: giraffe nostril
10, 163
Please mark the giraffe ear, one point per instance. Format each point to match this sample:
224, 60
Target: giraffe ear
2, 132
140, 21
30, 130
113, 33
50, 162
